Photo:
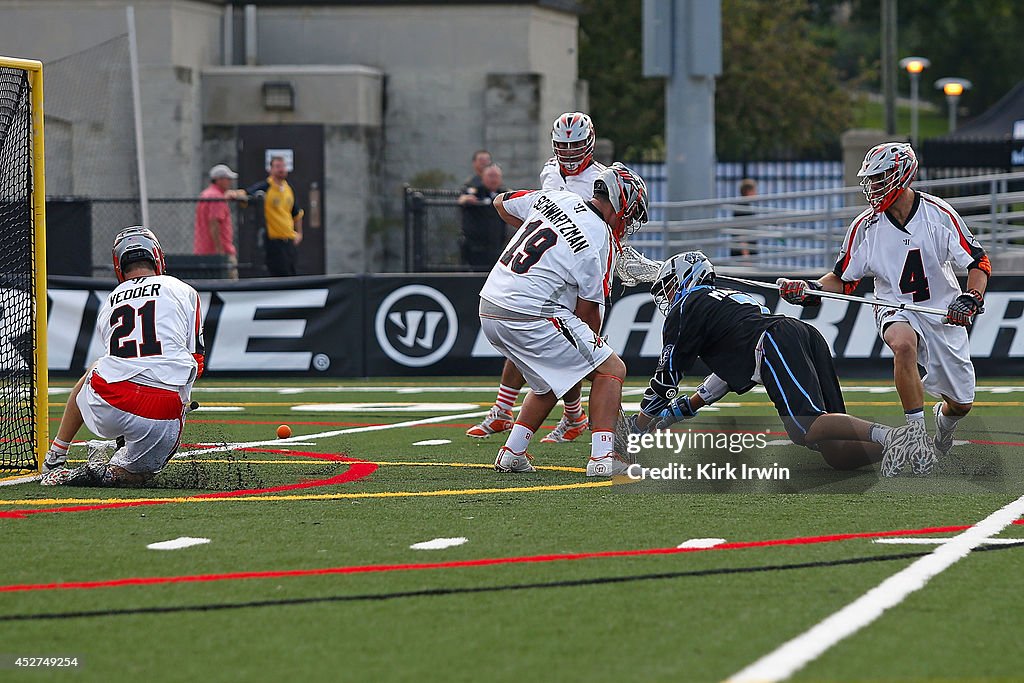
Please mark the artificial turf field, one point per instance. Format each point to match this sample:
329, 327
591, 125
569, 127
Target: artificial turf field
309, 573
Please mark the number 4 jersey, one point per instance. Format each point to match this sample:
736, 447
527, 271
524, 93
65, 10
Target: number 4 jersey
911, 263
562, 251
150, 327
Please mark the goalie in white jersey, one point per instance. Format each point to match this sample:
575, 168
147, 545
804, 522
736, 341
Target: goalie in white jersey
137, 392
909, 242
572, 168
541, 305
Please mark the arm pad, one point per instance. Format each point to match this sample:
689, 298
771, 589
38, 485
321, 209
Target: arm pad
712, 389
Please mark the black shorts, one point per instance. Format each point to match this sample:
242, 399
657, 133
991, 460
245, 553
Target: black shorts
282, 257
799, 376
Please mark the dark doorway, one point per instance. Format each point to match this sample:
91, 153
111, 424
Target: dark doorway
306, 146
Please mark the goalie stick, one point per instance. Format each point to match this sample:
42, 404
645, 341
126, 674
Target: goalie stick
841, 297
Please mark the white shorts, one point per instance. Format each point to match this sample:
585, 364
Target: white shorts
553, 354
149, 441
944, 351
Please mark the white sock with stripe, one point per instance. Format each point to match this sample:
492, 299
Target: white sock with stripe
60, 447
915, 415
574, 409
506, 399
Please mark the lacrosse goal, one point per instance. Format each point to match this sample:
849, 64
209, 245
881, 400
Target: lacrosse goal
23, 387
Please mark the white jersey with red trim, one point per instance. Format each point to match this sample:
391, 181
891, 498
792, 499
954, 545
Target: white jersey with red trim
150, 327
582, 183
562, 251
912, 263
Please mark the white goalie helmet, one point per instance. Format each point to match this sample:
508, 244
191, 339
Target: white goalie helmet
888, 169
627, 192
572, 141
134, 243
680, 274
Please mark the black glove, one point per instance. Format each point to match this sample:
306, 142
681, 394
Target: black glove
795, 291
963, 308
679, 409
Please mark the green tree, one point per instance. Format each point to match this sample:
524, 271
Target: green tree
979, 41
778, 95
626, 107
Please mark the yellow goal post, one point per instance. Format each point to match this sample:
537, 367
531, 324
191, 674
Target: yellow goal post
24, 425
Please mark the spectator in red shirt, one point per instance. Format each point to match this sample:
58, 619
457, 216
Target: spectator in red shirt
214, 233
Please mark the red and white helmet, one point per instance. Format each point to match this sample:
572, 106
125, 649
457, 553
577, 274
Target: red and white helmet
572, 140
888, 169
627, 192
135, 243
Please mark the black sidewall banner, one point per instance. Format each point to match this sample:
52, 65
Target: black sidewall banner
381, 326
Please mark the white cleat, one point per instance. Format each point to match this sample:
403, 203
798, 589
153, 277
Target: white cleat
497, 421
922, 453
54, 461
943, 440
567, 430
508, 461
896, 451
606, 466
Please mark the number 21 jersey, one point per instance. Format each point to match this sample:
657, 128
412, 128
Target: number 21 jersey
150, 327
561, 252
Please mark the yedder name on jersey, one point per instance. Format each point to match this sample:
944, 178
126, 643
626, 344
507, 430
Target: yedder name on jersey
150, 327
562, 251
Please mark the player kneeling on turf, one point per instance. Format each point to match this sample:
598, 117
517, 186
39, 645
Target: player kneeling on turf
137, 391
744, 345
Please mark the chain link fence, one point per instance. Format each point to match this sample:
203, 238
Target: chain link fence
173, 221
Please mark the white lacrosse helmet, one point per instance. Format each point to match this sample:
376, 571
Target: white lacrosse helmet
572, 141
679, 275
888, 169
135, 243
627, 192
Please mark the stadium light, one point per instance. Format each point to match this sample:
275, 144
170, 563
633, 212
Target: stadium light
914, 66
954, 88
278, 96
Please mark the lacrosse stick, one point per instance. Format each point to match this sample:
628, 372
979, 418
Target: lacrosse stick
841, 297
634, 268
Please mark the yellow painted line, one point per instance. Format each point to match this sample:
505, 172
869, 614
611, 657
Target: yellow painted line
320, 496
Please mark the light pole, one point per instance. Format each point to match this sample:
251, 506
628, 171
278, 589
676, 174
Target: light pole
914, 67
954, 88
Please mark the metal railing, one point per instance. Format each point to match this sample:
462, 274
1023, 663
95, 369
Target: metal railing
780, 231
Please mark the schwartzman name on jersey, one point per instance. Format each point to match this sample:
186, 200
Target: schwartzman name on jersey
562, 252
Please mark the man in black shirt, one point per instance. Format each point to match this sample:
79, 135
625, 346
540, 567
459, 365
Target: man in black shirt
744, 345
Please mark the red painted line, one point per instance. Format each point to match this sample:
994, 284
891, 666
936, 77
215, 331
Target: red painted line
458, 425
459, 564
357, 470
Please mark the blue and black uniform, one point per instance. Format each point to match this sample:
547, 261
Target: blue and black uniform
743, 344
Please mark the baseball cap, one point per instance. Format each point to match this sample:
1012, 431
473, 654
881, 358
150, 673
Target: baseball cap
222, 171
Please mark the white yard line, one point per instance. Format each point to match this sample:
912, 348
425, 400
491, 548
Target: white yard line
326, 435
20, 480
808, 646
